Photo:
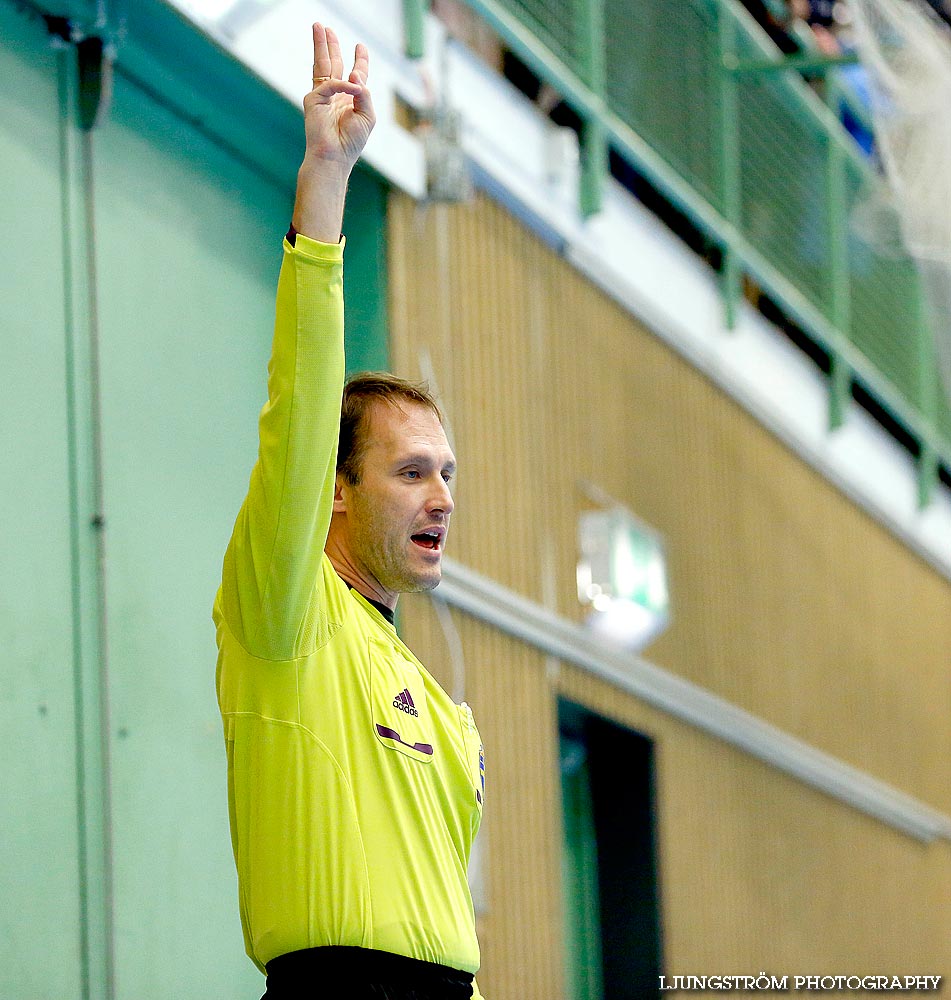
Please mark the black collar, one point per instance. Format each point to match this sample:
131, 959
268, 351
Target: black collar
387, 613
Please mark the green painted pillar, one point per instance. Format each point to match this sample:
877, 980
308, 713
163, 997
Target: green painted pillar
927, 474
589, 15
928, 388
414, 28
839, 287
728, 160
365, 274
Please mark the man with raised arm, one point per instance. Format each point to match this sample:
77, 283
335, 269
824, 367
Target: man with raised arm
354, 782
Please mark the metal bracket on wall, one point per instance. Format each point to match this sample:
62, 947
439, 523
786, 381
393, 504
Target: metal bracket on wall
95, 61
96, 48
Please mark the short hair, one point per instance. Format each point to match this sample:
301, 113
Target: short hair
359, 394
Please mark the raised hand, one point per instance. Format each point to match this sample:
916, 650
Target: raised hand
338, 118
338, 112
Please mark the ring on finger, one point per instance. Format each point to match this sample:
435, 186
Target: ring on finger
320, 79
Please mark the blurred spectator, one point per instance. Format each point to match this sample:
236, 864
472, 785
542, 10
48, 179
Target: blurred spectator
822, 12
778, 27
831, 23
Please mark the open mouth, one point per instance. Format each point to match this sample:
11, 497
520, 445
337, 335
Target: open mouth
427, 540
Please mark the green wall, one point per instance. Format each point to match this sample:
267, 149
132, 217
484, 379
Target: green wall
39, 912
139, 266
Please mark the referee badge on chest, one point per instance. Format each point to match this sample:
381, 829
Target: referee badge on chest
398, 698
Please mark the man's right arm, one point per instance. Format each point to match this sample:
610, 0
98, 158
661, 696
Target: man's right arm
274, 555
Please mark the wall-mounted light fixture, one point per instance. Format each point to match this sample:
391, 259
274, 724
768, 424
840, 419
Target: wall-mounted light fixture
622, 576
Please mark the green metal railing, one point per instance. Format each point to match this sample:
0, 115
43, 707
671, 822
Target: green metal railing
699, 101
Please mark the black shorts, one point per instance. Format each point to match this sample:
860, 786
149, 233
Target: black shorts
340, 973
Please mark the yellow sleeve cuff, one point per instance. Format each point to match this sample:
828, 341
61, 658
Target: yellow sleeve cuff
304, 245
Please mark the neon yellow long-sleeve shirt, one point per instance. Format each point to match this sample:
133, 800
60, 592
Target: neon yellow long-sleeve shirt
354, 781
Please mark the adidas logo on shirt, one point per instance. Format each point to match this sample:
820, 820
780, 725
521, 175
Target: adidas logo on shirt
404, 702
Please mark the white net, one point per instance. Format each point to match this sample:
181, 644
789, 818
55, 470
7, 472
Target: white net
907, 51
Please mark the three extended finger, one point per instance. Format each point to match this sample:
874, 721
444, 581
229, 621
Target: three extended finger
336, 57
322, 61
361, 64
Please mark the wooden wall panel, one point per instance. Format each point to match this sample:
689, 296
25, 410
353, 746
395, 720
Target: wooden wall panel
758, 869
506, 683
788, 600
